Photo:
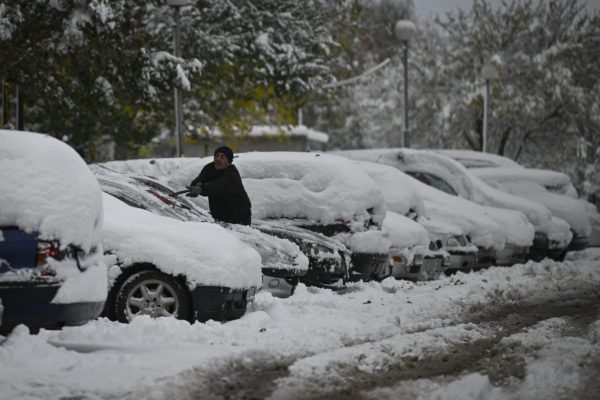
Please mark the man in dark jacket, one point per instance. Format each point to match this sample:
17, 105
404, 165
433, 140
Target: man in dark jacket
221, 182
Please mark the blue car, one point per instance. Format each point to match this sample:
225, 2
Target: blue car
52, 269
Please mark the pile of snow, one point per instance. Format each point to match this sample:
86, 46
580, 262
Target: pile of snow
48, 188
206, 254
403, 232
317, 332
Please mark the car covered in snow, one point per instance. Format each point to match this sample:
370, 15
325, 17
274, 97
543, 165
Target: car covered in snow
52, 268
451, 177
552, 189
402, 197
166, 267
413, 255
318, 192
283, 263
289, 254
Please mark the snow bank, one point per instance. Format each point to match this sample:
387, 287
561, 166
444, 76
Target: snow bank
318, 332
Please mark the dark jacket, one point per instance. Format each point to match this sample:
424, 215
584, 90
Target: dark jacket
227, 198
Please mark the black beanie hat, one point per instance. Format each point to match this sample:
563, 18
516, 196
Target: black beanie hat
226, 151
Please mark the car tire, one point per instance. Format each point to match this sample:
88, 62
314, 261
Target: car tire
151, 293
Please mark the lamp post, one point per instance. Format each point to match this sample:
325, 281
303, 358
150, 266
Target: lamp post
177, 4
404, 31
488, 72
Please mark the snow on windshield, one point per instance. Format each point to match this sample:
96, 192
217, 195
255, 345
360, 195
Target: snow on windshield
48, 188
206, 254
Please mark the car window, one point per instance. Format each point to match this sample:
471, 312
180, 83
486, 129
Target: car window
433, 181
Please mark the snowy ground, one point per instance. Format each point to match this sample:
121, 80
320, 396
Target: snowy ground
528, 331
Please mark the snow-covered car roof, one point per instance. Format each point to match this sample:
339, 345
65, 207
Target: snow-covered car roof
154, 196
465, 184
206, 254
48, 188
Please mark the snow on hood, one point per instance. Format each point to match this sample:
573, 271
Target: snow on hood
459, 178
206, 254
48, 188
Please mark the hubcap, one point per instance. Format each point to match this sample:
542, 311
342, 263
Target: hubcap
152, 297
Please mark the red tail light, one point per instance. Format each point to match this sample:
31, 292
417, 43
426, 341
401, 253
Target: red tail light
45, 250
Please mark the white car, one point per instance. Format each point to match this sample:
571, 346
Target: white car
513, 233
52, 268
551, 188
167, 267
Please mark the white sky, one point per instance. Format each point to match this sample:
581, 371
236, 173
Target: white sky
426, 8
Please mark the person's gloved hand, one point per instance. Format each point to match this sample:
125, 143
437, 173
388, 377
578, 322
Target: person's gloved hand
195, 190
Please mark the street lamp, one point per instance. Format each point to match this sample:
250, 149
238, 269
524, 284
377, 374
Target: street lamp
488, 72
177, 4
404, 31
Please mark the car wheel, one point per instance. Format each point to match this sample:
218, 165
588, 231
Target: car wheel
151, 293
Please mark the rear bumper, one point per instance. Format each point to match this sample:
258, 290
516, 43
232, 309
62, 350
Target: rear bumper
461, 261
512, 254
28, 303
540, 247
325, 272
220, 303
578, 242
279, 286
485, 257
426, 268
368, 266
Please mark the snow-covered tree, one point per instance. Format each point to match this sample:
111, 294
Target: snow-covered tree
105, 68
